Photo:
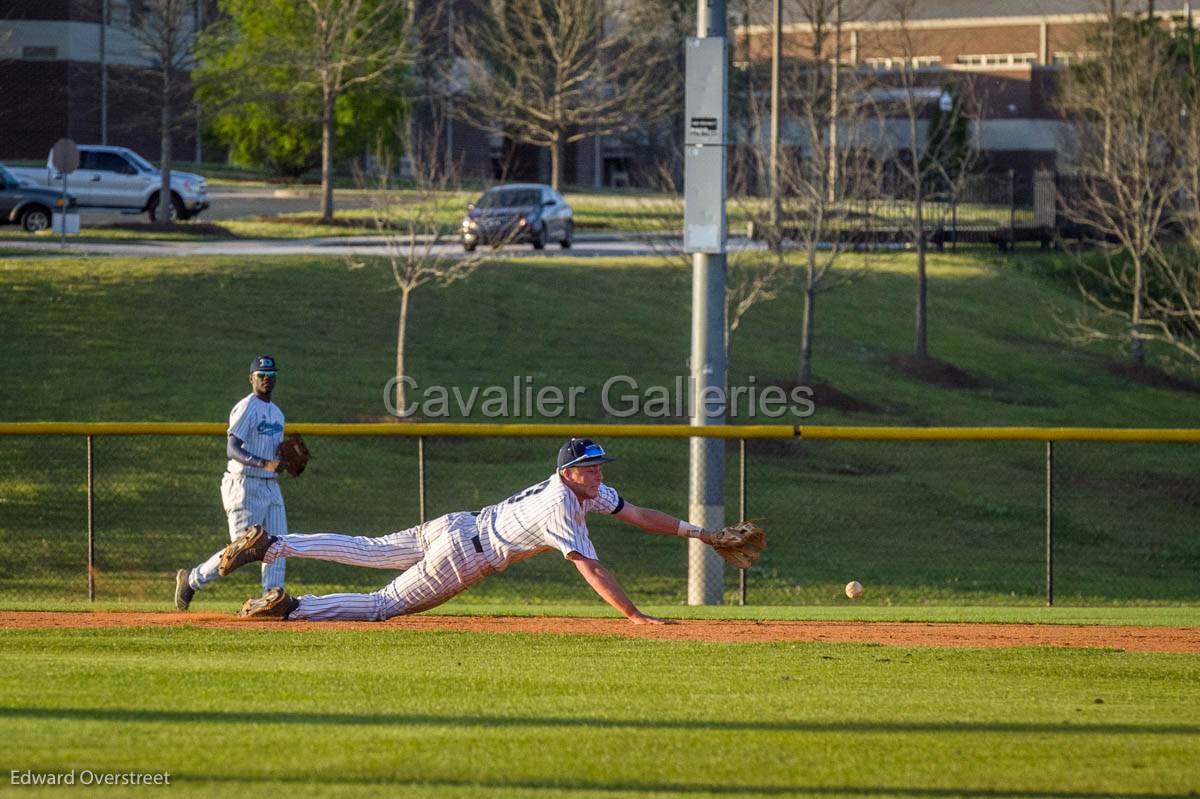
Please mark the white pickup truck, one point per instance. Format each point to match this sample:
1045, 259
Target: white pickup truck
117, 178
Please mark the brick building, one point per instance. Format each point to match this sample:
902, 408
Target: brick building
1012, 52
59, 70
63, 73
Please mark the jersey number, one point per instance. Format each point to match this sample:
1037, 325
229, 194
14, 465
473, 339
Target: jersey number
529, 492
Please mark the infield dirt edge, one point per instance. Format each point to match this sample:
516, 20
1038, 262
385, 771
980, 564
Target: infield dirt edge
899, 634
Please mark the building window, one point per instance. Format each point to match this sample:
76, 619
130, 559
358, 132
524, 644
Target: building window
892, 64
34, 53
1072, 59
996, 59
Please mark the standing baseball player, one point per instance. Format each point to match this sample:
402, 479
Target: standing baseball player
250, 489
447, 555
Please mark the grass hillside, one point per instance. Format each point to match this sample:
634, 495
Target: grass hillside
118, 339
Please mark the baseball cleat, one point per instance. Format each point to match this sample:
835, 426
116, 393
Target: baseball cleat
274, 604
250, 546
183, 590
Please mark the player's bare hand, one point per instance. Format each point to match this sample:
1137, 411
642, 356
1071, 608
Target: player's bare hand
642, 618
272, 466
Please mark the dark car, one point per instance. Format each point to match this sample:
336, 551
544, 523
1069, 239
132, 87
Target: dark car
518, 212
30, 207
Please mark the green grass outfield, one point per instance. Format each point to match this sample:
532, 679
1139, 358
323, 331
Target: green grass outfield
918, 524
444, 714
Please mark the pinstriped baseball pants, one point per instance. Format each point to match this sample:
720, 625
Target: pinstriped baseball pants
248, 501
441, 558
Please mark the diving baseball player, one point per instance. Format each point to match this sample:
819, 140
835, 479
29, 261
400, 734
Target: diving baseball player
447, 555
250, 489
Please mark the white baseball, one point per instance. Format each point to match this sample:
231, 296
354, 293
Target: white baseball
854, 589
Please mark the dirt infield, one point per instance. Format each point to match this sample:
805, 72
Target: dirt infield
901, 634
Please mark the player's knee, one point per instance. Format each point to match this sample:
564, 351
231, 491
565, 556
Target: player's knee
387, 607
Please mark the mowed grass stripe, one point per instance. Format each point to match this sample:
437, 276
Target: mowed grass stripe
476, 715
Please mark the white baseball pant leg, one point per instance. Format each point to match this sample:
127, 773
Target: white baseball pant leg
453, 561
399, 550
248, 501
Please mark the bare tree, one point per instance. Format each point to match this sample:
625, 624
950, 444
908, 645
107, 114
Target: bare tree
1174, 312
664, 24
921, 160
434, 77
309, 48
551, 72
1126, 107
162, 42
752, 276
342, 44
820, 173
415, 230
6, 32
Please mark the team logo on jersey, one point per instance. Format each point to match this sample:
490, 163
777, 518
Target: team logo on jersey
268, 428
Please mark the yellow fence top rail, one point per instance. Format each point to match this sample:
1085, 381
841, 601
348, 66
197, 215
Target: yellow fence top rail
476, 430
406, 429
1137, 434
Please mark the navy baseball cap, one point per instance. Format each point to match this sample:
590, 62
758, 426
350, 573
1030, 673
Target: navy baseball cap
263, 363
581, 452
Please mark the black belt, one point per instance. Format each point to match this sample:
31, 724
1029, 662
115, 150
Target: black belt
476, 543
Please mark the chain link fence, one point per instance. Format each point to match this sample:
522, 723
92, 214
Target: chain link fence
998, 209
917, 522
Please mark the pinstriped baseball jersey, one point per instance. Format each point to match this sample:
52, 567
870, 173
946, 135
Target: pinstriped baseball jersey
543, 517
260, 427
250, 495
247, 501
451, 553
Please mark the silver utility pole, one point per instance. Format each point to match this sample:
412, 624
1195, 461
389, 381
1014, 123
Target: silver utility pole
776, 57
103, 73
598, 140
704, 237
835, 103
197, 26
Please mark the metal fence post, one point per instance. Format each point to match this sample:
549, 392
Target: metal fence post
91, 521
954, 221
1012, 208
742, 512
421, 477
1049, 523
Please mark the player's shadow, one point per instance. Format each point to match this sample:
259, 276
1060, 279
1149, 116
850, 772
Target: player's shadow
432, 720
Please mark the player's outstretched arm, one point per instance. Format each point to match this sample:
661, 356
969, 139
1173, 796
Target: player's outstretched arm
655, 521
605, 584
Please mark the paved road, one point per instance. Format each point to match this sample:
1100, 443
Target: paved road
586, 245
232, 203
235, 203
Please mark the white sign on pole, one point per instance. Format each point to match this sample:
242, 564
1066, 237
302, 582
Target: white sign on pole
65, 156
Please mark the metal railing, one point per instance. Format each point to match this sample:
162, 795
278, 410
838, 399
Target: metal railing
145, 515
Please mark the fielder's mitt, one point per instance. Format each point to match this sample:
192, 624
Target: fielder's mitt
293, 455
740, 544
